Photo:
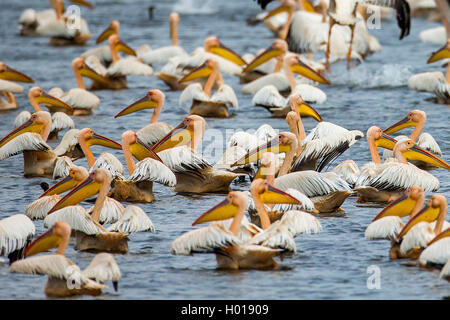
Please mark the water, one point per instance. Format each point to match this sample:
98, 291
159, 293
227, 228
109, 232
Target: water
330, 265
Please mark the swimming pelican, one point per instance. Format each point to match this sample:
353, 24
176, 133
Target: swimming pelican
116, 73
8, 88
416, 119
163, 54
139, 187
155, 131
437, 252
202, 103
256, 248
343, 12
62, 271
177, 67
90, 235
384, 182
82, 101
16, 233
435, 81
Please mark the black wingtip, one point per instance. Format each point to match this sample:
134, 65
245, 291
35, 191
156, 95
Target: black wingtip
44, 186
116, 285
403, 17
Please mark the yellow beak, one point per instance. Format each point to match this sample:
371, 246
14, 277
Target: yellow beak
100, 140
141, 151
442, 235
86, 189
54, 104
28, 126
228, 54
202, 71
105, 35
442, 53
254, 155
265, 56
90, 73
306, 110
417, 153
123, 47
179, 136
11, 74
401, 207
307, 72
83, 3
404, 123
61, 187
273, 195
143, 103
222, 211
386, 142
44, 242
427, 214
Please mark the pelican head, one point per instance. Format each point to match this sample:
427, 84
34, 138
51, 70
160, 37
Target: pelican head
298, 105
76, 175
137, 147
288, 6
411, 151
37, 95
293, 62
442, 53
202, 71
213, 45
37, 123
152, 100
190, 130
116, 43
10, 74
404, 205
113, 28
268, 168
174, 17
79, 65
90, 137
278, 48
380, 139
412, 119
269, 194
436, 205
58, 235
283, 142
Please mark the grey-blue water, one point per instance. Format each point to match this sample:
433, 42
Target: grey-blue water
329, 265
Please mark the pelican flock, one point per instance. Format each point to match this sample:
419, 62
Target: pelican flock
279, 179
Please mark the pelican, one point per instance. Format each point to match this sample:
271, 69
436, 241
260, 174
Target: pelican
82, 101
327, 190
111, 211
16, 233
384, 182
64, 277
177, 67
90, 235
60, 109
116, 73
343, 12
8, 88
252, 248
434, 81
139, 187
155, 131
268, 90
416, 119
202, 103
162, 55
437, 252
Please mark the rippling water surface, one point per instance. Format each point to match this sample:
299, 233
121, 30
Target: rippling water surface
330, 265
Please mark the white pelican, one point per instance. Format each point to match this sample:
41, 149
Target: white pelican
90, 235
16, 232
139, 187
82, 101
155, 131
111, 211
243, 245
162, 55
116, 73
62, 271
177, 67
343, 12
416, 119
437, 252
435, 81
445, 272
8, 88
267, 89
201, 101
384, 182
59, 108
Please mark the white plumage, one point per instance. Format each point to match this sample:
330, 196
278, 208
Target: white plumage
384, 228
103, 268
60, 121
15, 233
160, 55
153, 132
39, 208
445, 272
437, 36
153, 170
418, 236
10, 86
348, 170
133, 219
437, 253
77, 98
27, 141
78, 219
225, 94
111, 163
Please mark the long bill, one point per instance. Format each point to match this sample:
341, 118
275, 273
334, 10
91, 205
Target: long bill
179, 136
265, 56
44, 242
386, 141
99, 140
401, 207
54, 104
90, 73
226, 53
274, 195
61, 186
140, 151
28, 126
442, 53
83, 3
305, 109
417, 153
202, 71
427, 214
11, 74
143, 103
308, 72
222, 211
255, 155
404, 123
